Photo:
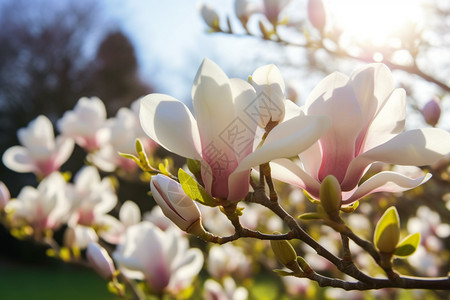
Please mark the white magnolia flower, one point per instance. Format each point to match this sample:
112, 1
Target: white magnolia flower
209, 15
92, 197
114, 229
44, 207
86, 124
100, 260
5, 196
223, 133
367, 118
40, 153
162, 258
227, 260
229, 291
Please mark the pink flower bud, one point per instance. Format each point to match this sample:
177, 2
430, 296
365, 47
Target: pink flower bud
174, 202
432, 111
316, 14
4, 195
100, 260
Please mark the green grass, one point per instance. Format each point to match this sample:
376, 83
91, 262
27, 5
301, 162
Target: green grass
51, 281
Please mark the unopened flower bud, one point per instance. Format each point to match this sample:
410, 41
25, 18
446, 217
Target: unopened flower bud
387, 231
284, 252
316, 14
4, 195
100, 260
269, 86
209, 15
244, 9
432, 111
330, 195
174, 202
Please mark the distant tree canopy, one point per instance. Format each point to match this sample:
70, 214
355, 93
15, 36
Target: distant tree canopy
45, 68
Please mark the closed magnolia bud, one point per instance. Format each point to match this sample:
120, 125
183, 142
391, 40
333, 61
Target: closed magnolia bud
209, 15
244, 9
387, 231
174, 202
431, 111
284, 252
330, 195
100, 260
5, 196
269, 86
316, 14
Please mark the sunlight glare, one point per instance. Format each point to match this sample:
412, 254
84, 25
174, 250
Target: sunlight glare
374, 21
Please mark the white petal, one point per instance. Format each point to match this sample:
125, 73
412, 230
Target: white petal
64, 149
129, 213
386, 182
190, 266
288, 171
17, 158
39, 133
286, 140
170, 123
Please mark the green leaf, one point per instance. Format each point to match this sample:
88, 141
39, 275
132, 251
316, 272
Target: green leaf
310, 216
387, 231
408, 245
310, 198
283, 272
194, 190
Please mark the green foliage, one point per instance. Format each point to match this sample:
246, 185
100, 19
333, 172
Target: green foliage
408, 245
194, 190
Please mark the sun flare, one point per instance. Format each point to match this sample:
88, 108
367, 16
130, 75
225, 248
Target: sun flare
374, 21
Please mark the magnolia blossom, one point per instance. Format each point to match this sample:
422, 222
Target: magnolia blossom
125, 128
174, 202
86, 124
162, 258
79, 236
44, 207
40, 153
273, 9
92, 197
245, 8
367, 116
432, 111
209, 15
316, 14
227, 260
100, 260
229, 291
5, 196
270, 88
114, 229
223, 132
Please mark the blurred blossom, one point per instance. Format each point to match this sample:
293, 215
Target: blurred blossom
86, 124
162, 258
316, 14
215, 221
360, 224
209, 15
113, 230
431, 112
273, 9
92, 197
296, 286
125, 128
274, 223
40, 153
79, 236
426, 263
227, 260
347, 149
4, 195
100, 260
229, 291
245, 8
44, 207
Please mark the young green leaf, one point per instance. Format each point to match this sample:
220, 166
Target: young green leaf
310, 216
387, 231
408, 245
194, 190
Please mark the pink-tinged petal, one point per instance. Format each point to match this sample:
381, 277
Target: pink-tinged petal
287, 139
100, 260
64, 149
311, 160
417, 147
372, 85
390, 120
170, 123
5, 196
386, 182
335, 99
17, 158
238, 185
290, 172
188, 268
